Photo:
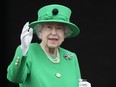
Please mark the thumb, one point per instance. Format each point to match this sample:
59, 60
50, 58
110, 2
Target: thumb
30, 32
30, 35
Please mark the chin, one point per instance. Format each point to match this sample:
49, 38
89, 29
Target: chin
52, 46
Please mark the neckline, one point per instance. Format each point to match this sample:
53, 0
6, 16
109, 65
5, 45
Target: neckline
53, 60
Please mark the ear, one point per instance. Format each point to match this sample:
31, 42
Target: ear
40, 34
40, 31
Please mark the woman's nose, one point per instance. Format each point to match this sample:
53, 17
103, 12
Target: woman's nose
53, 31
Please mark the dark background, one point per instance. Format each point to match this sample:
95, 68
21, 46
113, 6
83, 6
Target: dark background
94, 46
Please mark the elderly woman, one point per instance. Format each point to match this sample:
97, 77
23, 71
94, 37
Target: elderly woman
47, 64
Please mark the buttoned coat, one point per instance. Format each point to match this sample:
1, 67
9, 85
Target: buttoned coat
36, 70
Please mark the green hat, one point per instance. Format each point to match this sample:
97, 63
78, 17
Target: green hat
56, 13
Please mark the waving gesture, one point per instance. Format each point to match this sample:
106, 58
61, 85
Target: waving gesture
26, 37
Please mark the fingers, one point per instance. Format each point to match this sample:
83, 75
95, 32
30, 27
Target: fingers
26, 30
84, 83
30, 32
25, 27
26, 37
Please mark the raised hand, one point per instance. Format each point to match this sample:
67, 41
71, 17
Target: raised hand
26, 38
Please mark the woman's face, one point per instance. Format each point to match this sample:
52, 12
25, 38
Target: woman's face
52, 34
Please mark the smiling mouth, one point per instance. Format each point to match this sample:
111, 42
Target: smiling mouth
54, 39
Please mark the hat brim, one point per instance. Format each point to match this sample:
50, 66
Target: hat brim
75, 30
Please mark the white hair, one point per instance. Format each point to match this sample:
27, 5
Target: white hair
38, 27
67, 31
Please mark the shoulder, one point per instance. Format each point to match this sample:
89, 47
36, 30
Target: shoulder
67, 53
31, 45
34, 45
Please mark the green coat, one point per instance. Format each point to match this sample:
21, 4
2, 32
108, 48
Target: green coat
36, 70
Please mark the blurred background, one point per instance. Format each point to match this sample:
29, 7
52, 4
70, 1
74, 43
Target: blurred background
95, 45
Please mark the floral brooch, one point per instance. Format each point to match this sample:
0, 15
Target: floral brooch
68, 55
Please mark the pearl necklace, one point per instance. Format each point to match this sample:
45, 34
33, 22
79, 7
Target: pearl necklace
56, 60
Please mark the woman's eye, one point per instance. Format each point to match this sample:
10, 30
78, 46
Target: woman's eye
60, 28
48, 26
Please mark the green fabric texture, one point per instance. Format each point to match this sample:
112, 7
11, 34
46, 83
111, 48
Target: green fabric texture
56, 13
36, 70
